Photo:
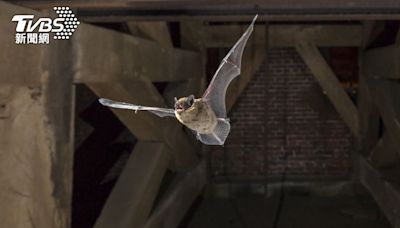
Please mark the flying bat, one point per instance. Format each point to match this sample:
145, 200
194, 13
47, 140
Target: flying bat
206, 116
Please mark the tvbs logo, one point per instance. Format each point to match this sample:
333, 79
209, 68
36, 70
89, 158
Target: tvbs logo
31, 31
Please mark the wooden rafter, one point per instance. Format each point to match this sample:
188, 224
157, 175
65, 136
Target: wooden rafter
329, 83
385, 94
157, 31
371, 30
383, 62
209, 4
284, 35
368, 116
132, 197
386, 194
91, 68
130, 57
385, 153
174, 10
379, 65
178, 199
378, 97
397, 41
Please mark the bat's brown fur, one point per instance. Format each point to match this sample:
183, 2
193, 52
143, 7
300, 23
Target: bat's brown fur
199, 117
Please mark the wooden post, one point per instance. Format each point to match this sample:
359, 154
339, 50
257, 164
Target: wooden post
386, 194
178, 199
383, 62
385, 153
380, 92
368, 115
36, 134
132, 197
379, 65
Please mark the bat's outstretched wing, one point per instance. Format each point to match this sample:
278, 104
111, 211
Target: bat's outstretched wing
161, 112
226, 72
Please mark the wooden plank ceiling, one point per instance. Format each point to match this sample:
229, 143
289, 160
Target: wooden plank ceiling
272, 10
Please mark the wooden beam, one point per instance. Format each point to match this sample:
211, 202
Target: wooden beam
132, 197
378, 66
174, 10
286, 35
138, 90
121, 15
329, 83
383, 62
385, 94
177, 200
253, 57
386, 194
20, 64
397, 42
371, 30
368, 115
157, 31
209, 4
385, 153
129, 57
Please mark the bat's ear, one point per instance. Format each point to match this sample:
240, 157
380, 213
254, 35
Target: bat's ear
191, 97
175, 99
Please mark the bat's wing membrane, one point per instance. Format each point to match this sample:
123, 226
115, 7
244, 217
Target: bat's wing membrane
161, 112
228, 69
218, 136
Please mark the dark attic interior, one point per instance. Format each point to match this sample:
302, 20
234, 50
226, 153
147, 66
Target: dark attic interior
315, 115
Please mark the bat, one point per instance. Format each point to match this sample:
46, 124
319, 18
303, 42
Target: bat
205, 116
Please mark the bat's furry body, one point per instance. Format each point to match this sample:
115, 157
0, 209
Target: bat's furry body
199, 117
206, 115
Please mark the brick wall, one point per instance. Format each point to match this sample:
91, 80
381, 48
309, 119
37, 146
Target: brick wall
283, 122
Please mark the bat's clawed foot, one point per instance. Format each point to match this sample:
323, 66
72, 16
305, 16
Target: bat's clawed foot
197, 136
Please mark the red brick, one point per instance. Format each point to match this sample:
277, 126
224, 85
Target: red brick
274, 128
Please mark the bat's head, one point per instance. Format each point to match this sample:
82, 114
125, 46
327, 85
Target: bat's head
184, 103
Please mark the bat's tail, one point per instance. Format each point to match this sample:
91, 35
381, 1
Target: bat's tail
218, 136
